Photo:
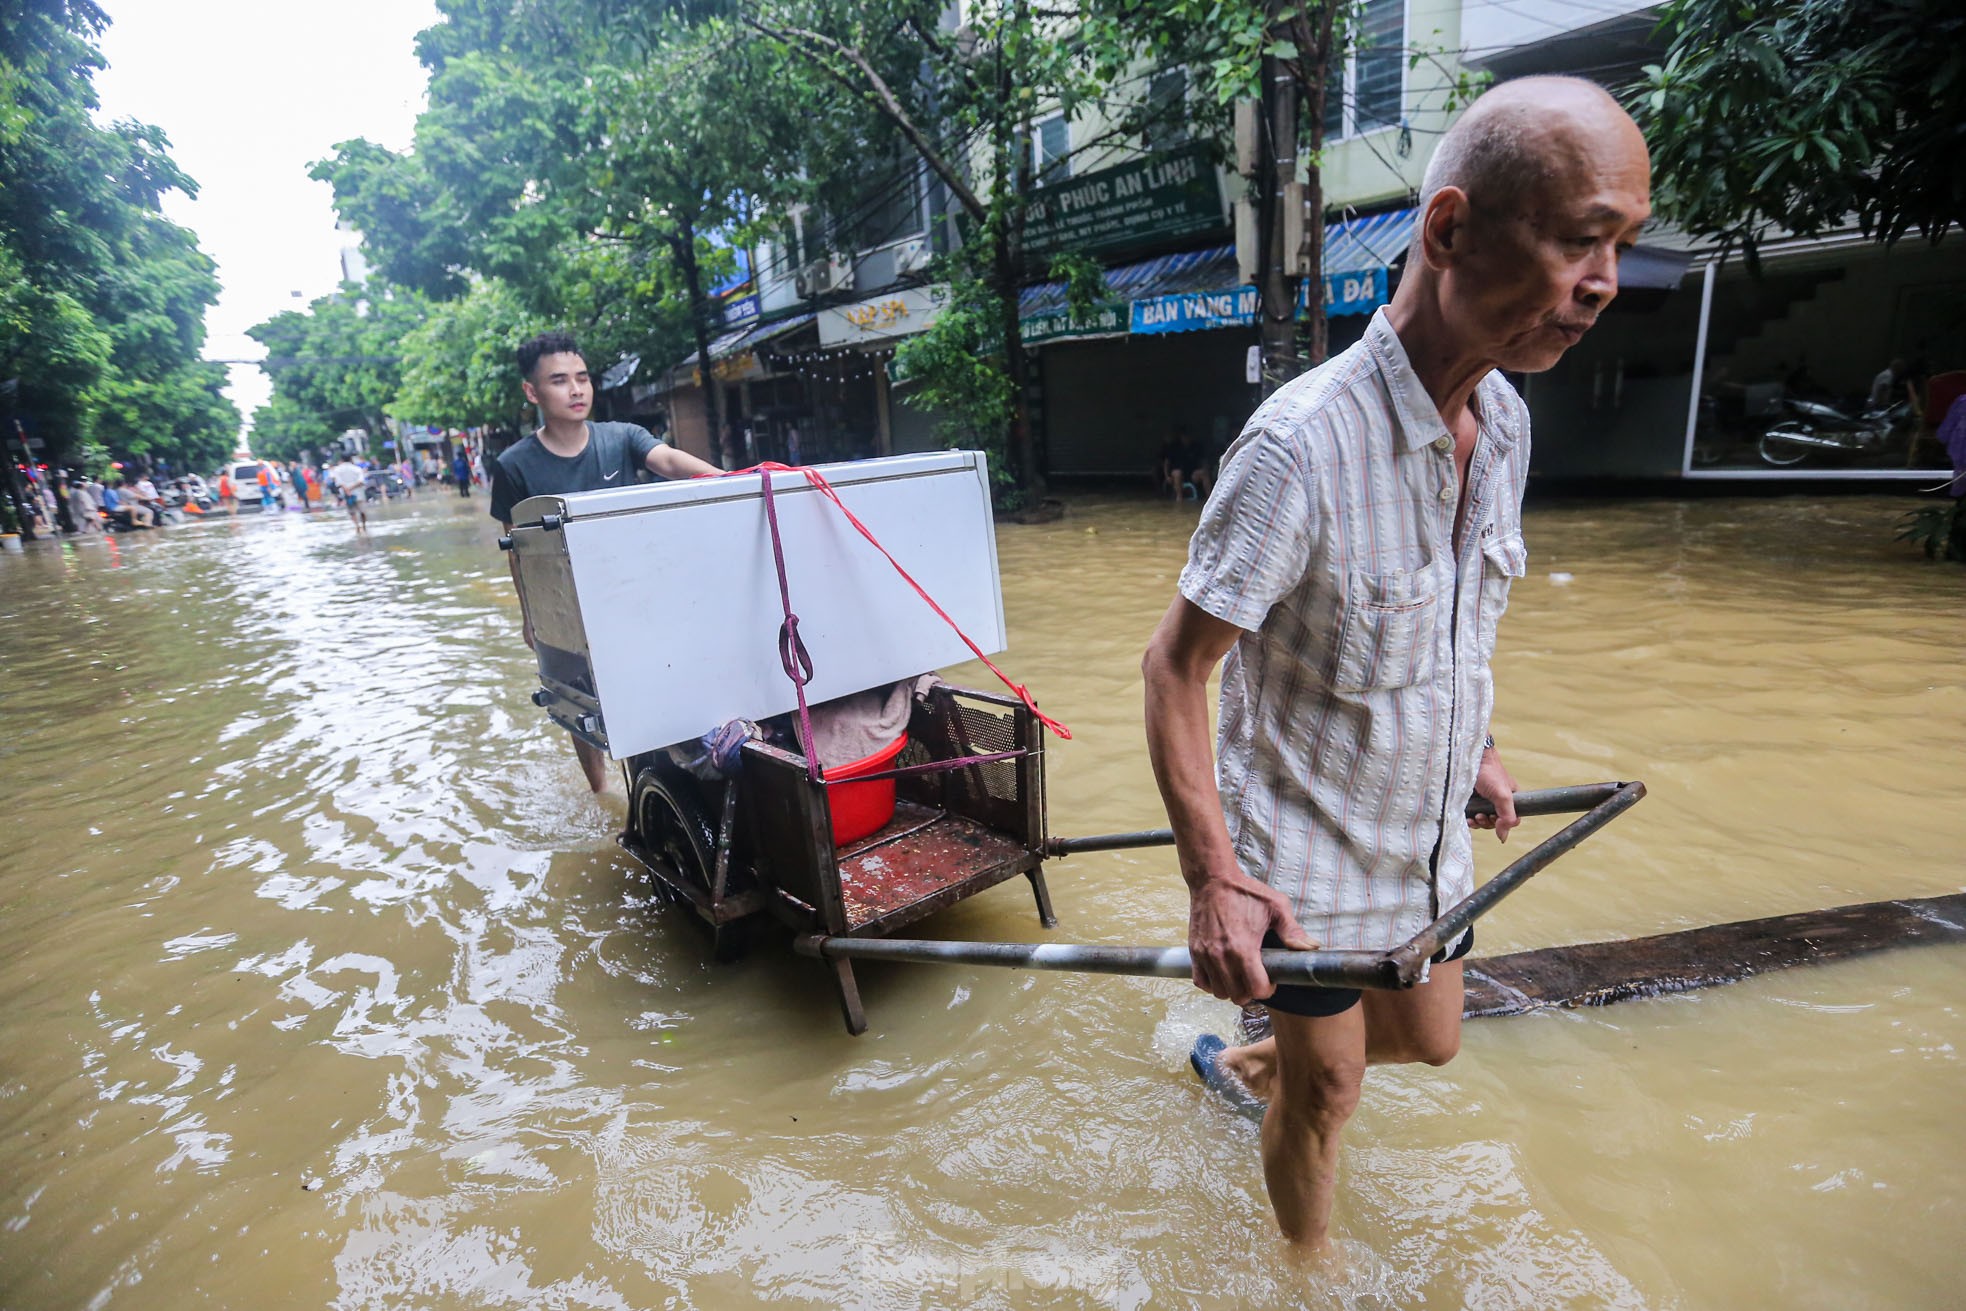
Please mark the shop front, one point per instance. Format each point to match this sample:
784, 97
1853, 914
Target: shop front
1168, 356
1765, 375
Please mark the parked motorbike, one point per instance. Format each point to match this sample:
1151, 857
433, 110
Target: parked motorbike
1812, 428
384, 482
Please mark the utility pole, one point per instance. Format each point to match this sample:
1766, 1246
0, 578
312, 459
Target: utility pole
1276, 301
1280, 228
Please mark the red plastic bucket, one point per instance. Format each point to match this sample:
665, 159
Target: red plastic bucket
861, 808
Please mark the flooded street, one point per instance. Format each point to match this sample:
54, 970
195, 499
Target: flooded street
297, 889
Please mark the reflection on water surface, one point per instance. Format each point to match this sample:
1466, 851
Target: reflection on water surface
293, 887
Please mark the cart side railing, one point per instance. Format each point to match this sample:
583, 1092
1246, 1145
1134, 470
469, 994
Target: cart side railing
1004, 795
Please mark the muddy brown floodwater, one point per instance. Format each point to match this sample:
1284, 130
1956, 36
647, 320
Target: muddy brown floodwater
295, 890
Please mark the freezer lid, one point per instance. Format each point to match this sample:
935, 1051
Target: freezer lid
663, 495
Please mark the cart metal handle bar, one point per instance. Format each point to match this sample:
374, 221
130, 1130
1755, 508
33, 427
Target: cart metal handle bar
1547, 801
1400, 967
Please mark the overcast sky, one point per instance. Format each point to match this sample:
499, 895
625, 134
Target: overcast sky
251, 92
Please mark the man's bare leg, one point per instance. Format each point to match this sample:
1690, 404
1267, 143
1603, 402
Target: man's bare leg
1397, 1031
1320, 1063
594, 764
1317, 1065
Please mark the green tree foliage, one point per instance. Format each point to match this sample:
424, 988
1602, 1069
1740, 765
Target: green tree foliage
963, 103
1801, 114
283, 429
102, 299
341, 360
957, 369
458, 366
583, 164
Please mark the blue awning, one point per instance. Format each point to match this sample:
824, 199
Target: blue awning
1372, 242
1172, 293
1191, 270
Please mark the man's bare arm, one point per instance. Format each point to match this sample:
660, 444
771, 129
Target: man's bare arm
1228, 912
667, 462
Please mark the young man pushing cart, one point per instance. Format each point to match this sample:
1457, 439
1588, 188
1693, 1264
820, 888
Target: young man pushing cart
571, 453
1352, 567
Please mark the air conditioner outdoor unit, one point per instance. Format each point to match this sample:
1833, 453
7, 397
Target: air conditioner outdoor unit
823, 275
912, 256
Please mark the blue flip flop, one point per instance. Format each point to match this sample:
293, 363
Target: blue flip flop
1207, 1063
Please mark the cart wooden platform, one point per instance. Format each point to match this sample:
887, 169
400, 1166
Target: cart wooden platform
761, 843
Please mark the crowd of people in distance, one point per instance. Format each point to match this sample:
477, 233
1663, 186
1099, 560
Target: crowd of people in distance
68, 502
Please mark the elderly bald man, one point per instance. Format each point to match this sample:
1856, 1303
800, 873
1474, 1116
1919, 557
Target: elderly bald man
1352, 567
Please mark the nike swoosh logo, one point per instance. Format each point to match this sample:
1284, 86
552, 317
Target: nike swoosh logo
608, 478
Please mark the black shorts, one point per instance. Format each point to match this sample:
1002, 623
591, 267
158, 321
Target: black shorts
1296, 999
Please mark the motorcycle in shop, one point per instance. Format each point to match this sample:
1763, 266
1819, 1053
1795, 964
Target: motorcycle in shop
1802, 429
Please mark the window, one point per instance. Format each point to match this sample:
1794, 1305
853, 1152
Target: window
1371, 81
1051, 147
1377, 65
1167, 94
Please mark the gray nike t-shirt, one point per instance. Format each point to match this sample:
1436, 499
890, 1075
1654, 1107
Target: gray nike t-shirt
615, 456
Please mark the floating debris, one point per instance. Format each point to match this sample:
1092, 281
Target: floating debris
1600, 973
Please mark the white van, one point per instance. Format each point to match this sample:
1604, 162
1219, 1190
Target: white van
245, 484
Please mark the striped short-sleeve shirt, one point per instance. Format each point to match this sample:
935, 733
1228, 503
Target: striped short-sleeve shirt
1355, 702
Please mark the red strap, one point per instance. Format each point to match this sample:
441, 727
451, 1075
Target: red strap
791, 647
824, 488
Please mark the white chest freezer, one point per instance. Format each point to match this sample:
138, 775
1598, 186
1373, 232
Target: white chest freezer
656, 611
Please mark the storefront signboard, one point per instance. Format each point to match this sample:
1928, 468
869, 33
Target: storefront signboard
731, 368
1194, 311
743, 310
1197, 311
1108, 320
897, 313
1162, 198
1354, 293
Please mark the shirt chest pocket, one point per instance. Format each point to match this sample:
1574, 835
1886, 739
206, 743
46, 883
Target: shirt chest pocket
1386, 635
1504, 558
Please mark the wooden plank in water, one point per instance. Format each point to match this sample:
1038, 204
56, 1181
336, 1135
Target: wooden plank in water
1599, 973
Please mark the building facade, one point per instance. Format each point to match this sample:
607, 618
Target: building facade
1682, 377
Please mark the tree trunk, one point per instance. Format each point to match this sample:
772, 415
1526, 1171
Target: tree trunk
684, 247
1022, 447
1007, 197
1007, 265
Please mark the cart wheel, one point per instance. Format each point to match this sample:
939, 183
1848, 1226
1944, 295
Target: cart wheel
672, 824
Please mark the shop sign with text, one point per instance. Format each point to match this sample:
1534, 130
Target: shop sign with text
1107, 320
1162, 198
1199, 311
899, 313
731, 368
